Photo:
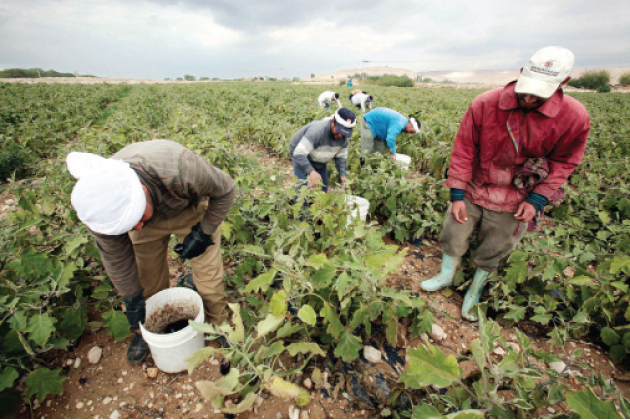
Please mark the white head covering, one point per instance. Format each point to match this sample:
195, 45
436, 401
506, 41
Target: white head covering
108, 195
544, 72
415, 124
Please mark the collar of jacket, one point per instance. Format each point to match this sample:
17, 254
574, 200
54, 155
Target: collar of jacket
508, 100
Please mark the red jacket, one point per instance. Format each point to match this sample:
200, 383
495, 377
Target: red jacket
484, 159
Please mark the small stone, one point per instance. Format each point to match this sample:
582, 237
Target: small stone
308, 384
150, 405
371, 354
94, 356
77, 363
304, 415
198, 407
178, 396
498, 351
107, 400
152, 372
216, 411
115, 414
69, 362
294, 412
279, 415
214, 361
228, 403
80, 405
124, 373
120, 380
89, 403
437, 333
551, 410
515, 347
185, 410
424, 337
557, 366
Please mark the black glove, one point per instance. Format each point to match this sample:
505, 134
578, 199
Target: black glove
136, 311
195, 243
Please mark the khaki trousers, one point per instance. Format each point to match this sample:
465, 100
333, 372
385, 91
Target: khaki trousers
495, 237
151, 246
370, 144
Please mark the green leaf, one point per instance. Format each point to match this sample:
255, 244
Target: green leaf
609, 336
43, 382
478, 353
288, 329
308, 315
8, 377
517, 313
426, 411
348, 347
335, 328
296, 348
582, 281
32, 263
323, 276
344, 284
74, 243
429, 366
261, 282
588, 406
517, 272
266, 352
238, 334
117, 325
620, 263
278, 303
542, 318
246, 404
269, 324
40, 327
467, 414
200, 356
283, 389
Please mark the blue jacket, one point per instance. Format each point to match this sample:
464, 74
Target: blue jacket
385, 125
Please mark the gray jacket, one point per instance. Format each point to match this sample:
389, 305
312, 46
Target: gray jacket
314, 146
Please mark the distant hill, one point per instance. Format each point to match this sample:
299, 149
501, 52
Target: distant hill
31, 73
485, 77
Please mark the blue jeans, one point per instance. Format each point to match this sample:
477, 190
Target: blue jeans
321, 169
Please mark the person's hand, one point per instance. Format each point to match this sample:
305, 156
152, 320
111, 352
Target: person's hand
315, 178
343, 183
394, 156
525, 212
195, 243
458, 211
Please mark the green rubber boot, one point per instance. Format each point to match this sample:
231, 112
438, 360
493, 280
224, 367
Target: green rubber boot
474, 294
445, 278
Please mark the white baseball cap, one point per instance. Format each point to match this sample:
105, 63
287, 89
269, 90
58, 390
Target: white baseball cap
544, 72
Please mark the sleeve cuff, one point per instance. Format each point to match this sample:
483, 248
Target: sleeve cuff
537, 200
457, 194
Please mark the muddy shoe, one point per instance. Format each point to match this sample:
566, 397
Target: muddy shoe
137, 351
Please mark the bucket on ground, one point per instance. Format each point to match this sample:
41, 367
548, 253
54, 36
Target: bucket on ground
404, 161
166, 308
359, 207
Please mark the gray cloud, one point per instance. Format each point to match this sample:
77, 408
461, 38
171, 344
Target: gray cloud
223, 38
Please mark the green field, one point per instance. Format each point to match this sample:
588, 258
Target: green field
306, 283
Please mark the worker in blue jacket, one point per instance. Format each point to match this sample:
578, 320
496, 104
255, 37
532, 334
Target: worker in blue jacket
380, 127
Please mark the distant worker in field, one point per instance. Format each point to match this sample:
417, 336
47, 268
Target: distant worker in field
515, 148
380, 127
315, 144
327, 98
134, 201
361, 99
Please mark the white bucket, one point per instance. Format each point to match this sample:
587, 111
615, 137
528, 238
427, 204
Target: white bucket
359, 207
170, 351
403, 160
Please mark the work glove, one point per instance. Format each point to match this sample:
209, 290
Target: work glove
136, 310
195, 243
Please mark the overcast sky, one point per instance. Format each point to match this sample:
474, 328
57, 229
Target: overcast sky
231, 38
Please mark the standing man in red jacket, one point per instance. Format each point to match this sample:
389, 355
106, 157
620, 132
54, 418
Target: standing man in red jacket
529, 120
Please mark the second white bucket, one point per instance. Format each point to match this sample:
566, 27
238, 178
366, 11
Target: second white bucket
170, 351
404, 161
359, 207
